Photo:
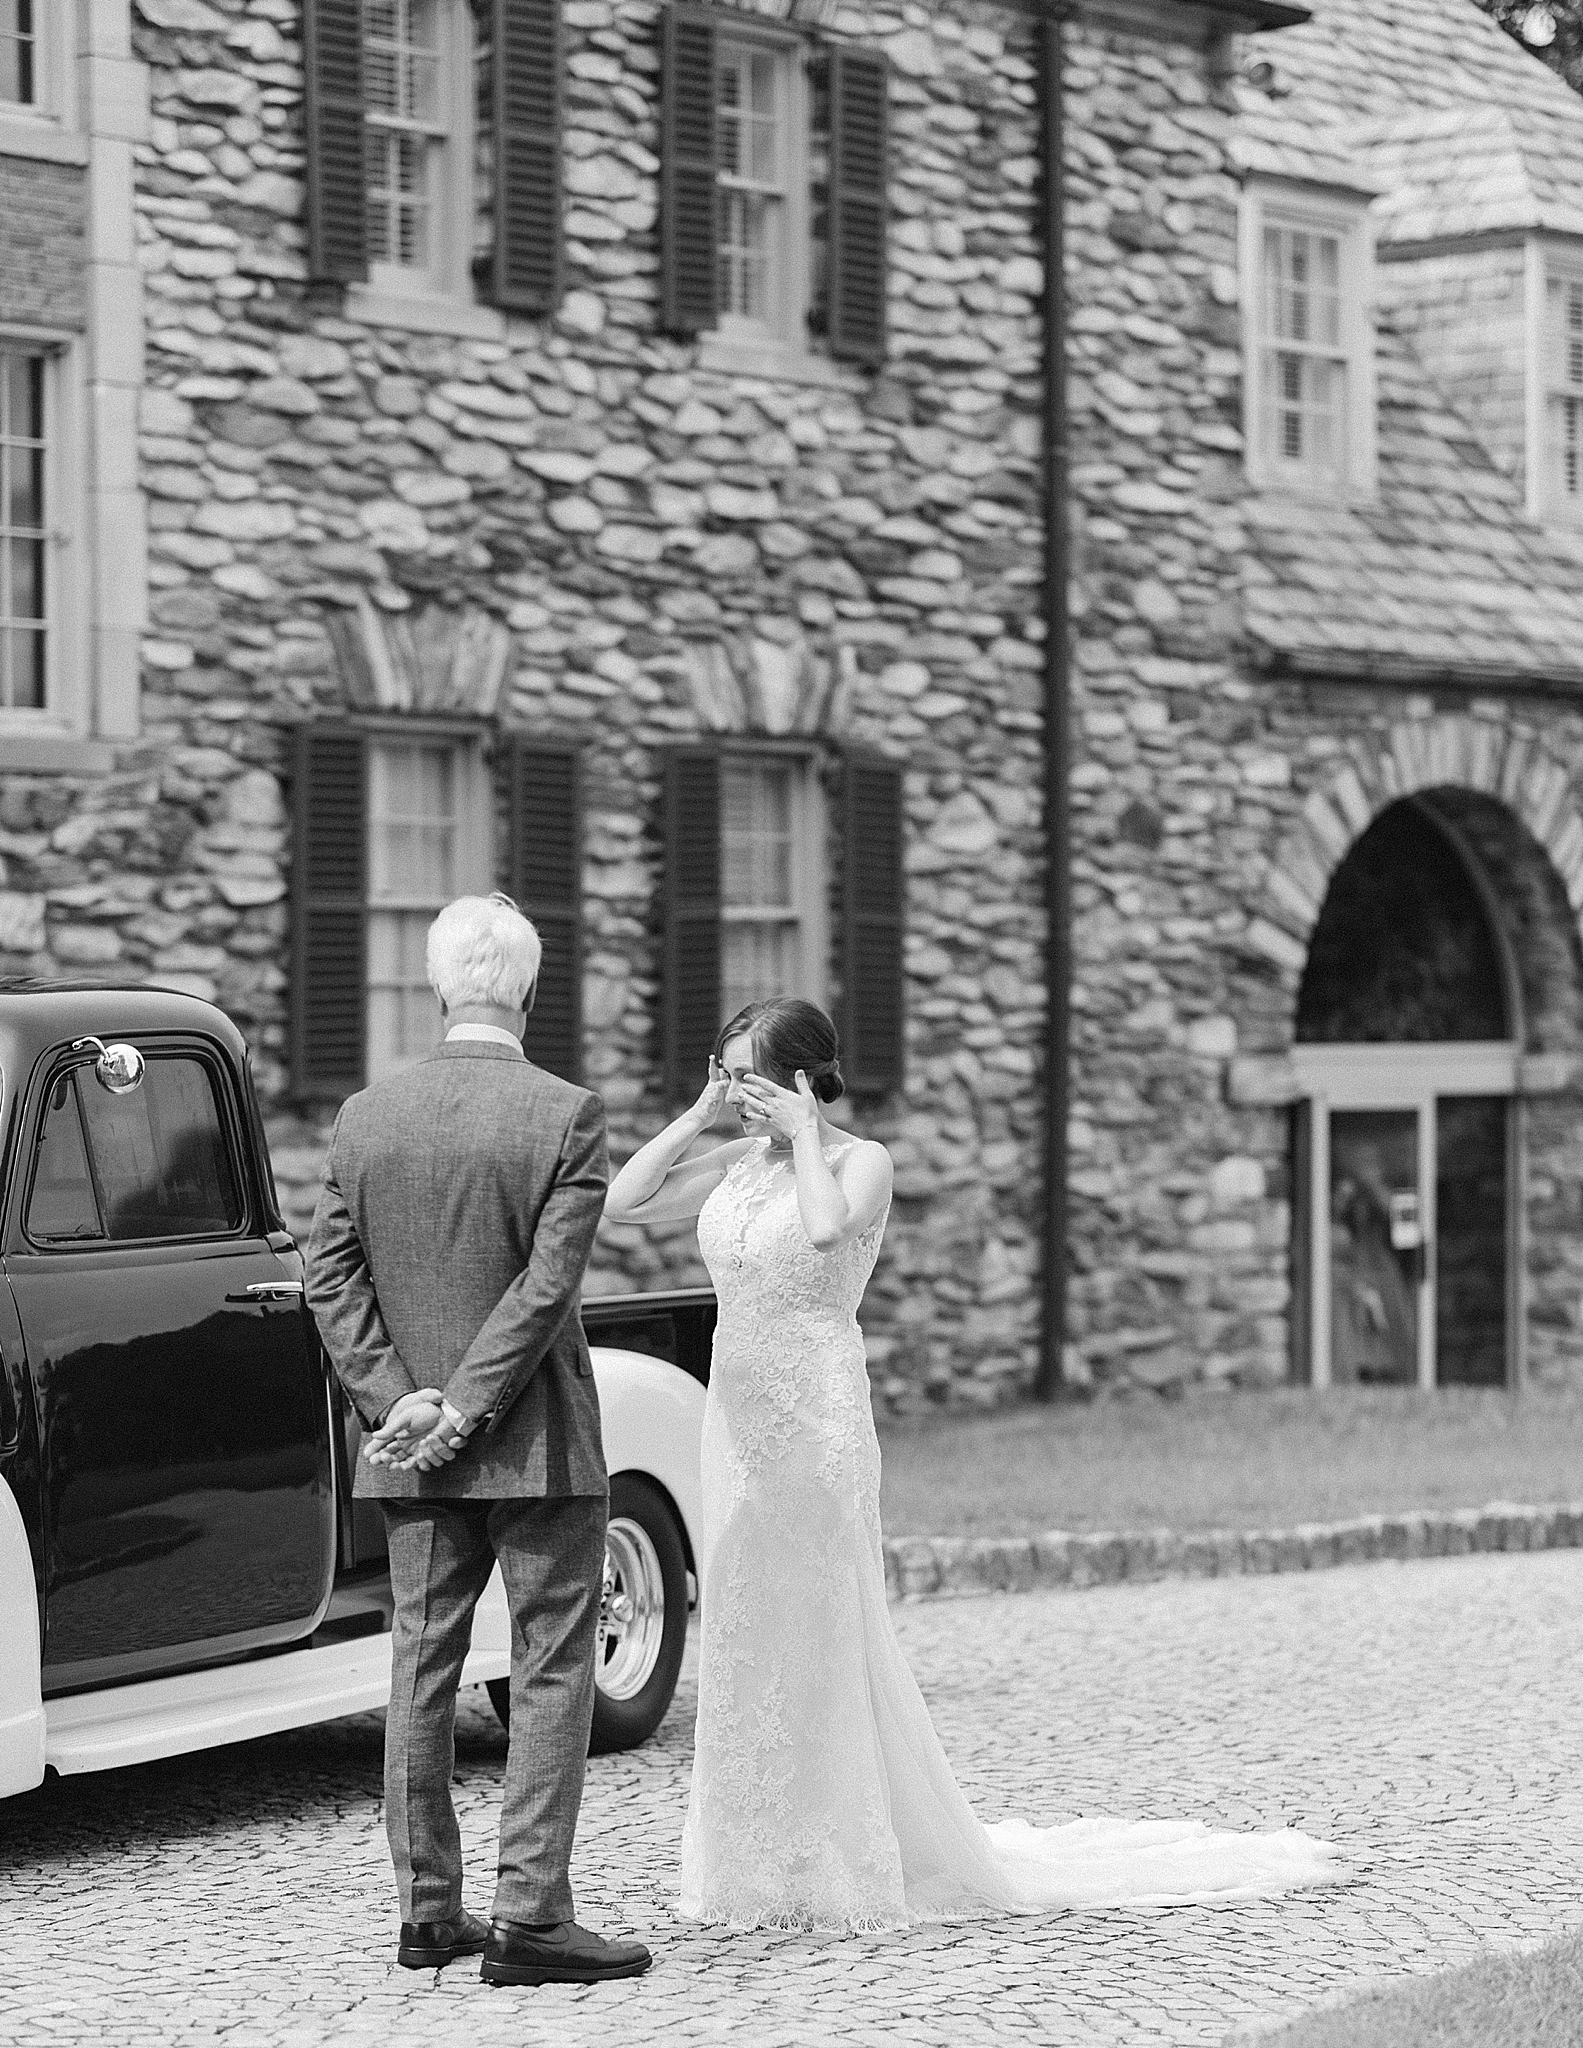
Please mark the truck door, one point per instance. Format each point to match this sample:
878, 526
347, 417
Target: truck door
182, 1413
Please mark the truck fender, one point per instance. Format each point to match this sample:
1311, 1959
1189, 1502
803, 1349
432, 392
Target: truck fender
653, 1416
21, 1701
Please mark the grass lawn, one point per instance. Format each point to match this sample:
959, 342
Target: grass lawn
1244, 1460
1529, 2001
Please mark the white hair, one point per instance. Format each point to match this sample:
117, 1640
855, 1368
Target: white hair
482, 949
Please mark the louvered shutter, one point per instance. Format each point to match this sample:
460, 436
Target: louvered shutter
329, 918
858, 204
690, 991
688, 203
872, 898
333, 57
544, 874
525, 270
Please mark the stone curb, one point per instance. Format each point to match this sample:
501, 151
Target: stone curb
925, 1567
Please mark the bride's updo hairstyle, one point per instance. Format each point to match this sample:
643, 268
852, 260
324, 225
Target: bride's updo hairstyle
786, 1034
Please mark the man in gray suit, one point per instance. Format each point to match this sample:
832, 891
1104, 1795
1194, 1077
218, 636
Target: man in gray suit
458, 1210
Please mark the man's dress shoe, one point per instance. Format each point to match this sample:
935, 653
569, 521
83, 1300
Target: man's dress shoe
431, 1944
563, 1954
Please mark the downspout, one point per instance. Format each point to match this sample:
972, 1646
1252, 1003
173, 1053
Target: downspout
1050, 1383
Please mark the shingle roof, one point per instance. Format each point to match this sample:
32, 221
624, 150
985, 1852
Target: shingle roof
1432, 98
1442, 571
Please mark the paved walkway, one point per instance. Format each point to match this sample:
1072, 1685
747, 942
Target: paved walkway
1426, 1715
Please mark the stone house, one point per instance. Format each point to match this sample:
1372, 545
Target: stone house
597, 446
1328, 851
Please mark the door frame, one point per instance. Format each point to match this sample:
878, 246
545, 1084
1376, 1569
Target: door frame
1403, 1077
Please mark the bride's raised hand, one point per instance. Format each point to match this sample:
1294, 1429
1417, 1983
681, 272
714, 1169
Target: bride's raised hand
786, 1110
713, 1099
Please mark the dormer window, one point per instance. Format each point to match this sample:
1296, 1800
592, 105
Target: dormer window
1309, 356
1561, 465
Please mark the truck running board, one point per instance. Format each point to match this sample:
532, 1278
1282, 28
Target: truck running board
133, 1724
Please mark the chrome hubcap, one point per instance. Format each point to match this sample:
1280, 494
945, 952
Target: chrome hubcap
631, 1611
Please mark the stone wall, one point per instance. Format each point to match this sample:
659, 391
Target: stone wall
1464, 312
630, 526
43, 242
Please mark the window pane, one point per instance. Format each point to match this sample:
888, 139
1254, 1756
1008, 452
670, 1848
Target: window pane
403, 1017
413, 824
757, 962
22, 660
17, 52
22, 396
756, 836
161, 1155
23, 473
62, 1205
27, 578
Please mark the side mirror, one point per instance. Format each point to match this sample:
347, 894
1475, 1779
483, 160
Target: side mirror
119, 1068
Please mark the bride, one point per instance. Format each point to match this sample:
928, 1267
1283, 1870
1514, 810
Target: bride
821, 1797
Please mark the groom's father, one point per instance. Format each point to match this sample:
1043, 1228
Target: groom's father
458, 1209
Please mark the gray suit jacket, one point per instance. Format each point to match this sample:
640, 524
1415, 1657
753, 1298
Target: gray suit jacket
458, 1210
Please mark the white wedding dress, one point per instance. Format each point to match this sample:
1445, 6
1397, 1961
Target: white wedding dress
821, 1797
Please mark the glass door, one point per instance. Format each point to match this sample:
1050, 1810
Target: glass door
1409, 1252
1379, 1265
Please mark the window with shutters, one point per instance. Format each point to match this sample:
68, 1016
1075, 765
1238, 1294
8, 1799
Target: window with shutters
1309, 361
773, 196
1561, 466
417, 67
773, 931
429, 821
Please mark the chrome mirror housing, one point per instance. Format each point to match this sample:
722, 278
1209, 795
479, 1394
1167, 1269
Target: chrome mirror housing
118, 1068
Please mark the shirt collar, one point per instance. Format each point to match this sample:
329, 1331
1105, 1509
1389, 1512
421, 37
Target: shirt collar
491, 1033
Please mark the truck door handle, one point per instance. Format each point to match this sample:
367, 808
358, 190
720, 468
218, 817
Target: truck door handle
270, 1290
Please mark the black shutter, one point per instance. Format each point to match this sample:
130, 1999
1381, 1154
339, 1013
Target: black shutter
329, 919
690, 990
858, 204
333, 57
525, 56
872, 896
544, 874
688, 207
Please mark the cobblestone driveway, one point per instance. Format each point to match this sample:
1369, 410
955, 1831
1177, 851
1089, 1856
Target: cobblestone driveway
1425, 1715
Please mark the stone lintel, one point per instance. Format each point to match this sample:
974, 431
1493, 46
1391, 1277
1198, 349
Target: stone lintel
1262, 1080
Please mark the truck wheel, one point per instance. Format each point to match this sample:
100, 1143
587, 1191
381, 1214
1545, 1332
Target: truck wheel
642, 1620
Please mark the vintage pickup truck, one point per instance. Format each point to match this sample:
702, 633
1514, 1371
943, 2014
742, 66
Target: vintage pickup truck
181, 1560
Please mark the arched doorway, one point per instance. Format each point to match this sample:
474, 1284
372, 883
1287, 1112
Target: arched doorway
1409, 1021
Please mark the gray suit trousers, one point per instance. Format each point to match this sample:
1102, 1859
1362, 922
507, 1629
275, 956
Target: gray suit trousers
442, 1552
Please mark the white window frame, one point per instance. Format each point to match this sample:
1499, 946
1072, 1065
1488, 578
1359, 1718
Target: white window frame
474, 866
1312, 211
438, 296
46, 125
67, 691
779, 343
810, 874
1549, 269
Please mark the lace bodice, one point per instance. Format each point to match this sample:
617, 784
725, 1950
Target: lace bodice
758, 1254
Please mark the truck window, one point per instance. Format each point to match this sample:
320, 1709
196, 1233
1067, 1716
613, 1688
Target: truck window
155, 1163
62, 1205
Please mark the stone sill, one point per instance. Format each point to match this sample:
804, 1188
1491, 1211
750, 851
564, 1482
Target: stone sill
44, 753
423, 316
924, 1567
44, 140
774, 362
